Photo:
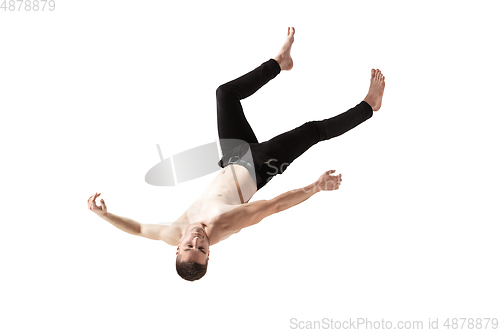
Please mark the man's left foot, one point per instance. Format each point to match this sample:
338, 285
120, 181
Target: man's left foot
283, 58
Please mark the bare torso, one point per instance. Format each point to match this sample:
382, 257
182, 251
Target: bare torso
220, 197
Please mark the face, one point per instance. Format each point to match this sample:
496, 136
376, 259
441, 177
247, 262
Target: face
194, 246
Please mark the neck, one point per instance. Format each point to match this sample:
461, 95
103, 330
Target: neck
200, 225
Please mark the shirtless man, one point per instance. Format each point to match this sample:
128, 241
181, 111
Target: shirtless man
247, 165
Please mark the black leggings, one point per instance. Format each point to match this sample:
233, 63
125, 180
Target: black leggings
273, 156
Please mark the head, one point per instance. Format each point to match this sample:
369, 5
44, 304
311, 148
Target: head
192, 254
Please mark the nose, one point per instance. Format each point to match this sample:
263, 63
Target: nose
198, 235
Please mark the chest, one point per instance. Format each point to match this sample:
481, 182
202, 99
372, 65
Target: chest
206, 208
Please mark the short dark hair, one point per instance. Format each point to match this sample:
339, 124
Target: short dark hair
190, 270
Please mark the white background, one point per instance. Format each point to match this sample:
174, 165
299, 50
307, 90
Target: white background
88, 90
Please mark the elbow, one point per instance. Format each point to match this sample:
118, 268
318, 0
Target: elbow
136, 230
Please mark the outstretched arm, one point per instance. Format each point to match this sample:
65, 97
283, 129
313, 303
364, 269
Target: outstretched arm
123, 223
254, 212
152, 231
326, 182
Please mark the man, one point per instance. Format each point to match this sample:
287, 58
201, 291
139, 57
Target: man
247, 165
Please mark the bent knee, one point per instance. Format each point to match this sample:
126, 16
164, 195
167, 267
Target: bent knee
317, 129
224, 91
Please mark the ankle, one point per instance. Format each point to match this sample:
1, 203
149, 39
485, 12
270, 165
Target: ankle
279, 60
370, 101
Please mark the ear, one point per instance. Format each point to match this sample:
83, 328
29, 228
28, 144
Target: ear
208, 255
178, 249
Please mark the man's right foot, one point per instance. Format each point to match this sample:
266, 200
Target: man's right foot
376, 91
283, 58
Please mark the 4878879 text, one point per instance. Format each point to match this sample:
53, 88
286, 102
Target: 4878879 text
28, 5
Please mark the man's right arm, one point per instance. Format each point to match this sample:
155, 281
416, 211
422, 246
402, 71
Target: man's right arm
252, 213
326, 182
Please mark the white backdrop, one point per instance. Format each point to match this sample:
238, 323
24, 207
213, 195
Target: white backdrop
89, 89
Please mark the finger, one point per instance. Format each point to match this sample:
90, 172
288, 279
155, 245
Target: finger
92, 204
103, 204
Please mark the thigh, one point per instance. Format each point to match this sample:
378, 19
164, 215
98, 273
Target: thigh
232, 124
273, 157
231, 121
287, 146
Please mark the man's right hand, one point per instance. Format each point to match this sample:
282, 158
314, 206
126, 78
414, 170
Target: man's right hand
101, 210
329, 182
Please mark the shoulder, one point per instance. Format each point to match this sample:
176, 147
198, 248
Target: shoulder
245, 215
225, 223
172, 234
262, 208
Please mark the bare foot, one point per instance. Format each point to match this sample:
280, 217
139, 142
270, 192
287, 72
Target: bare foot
376, 91
283, 58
